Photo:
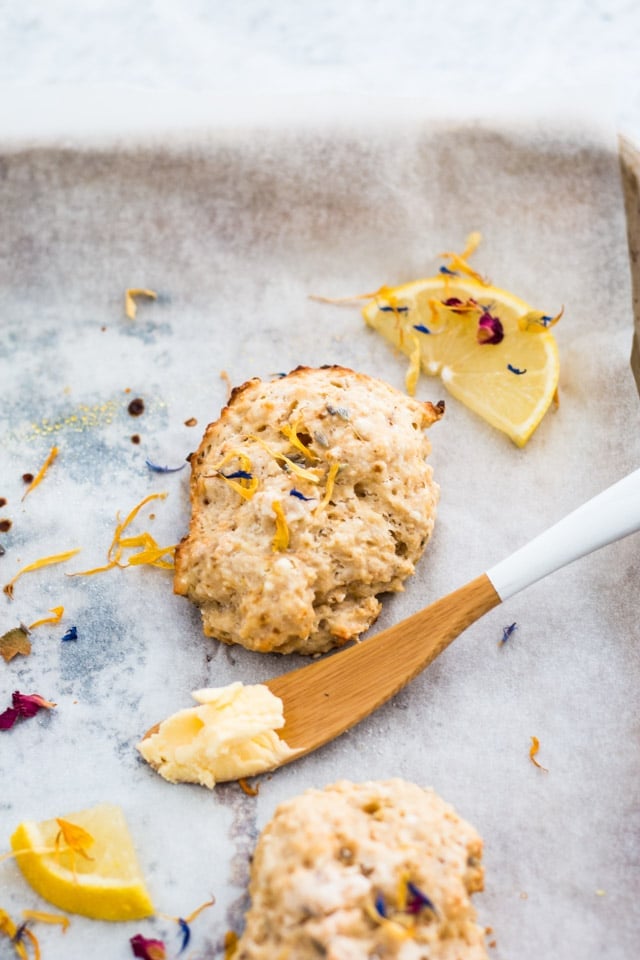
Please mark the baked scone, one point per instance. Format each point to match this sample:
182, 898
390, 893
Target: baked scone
380, 869
310, 495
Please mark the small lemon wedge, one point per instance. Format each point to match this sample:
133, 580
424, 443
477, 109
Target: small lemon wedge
492, 351
85, 863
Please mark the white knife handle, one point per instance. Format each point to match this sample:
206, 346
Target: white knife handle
611, 515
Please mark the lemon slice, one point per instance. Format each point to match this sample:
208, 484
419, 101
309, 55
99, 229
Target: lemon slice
492, 351
108, 886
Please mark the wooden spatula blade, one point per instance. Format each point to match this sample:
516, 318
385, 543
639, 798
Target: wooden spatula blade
323, 700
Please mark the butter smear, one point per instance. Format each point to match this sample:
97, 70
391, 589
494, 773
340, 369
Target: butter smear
231, 734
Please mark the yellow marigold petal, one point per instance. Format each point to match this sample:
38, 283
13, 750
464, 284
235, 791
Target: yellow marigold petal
130, 306
302, 472
533, 750
53, 453
56, 618
41, 917
413, 370
76, 838
331, 479
281, 537
37, 565
290, 431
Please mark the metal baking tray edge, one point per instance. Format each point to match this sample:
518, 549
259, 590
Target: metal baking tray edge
630, 168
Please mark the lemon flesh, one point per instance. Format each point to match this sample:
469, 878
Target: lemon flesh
510, 384
109, 886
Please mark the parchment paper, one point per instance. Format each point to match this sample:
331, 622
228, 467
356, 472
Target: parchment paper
235, 226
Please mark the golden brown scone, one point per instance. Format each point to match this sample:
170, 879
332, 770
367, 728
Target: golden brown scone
309, 496
380, 869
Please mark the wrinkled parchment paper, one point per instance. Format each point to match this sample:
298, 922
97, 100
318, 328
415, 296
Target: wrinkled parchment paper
235, 227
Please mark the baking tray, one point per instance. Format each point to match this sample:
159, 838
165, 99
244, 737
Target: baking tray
235, 225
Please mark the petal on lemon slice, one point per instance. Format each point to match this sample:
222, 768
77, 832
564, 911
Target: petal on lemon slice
510, 383
100, 879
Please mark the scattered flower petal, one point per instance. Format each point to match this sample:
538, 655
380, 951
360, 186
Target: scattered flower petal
130, 306
418, 899
23, 707
76, 838
37, 565
71, 634
536, 320
281, 536
157, 469
490, 329
508, 631
39, 477
515, 370
56, 618
533, 750
147, 948
331, 478
413, 371
247, 788
296, 493
291, 431
13, 642
53, 918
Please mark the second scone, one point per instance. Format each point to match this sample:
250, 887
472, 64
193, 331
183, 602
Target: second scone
310, 495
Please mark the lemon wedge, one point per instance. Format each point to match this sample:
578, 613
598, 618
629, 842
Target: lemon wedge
493, 352
85, 863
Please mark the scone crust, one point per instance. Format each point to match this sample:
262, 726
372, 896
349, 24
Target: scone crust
353, 533
330, 872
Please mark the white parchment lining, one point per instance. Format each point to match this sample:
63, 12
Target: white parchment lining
235, 227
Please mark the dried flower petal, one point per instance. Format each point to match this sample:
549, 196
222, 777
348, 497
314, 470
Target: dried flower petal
39, 477
37, 565
490, 329
23, 707
56, 618
418, 899
458, 261
533, 750
147, 949
76, 838
13, 642
151, 554
291, 432
515, 370
302, 472
53, 918
281, 536
247, 788
328, 493
536, 321
71, 634
507, 631
130, 306
296, 493
413, 371
156, 469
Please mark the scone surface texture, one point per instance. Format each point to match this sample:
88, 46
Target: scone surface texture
381, 869
310, 495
